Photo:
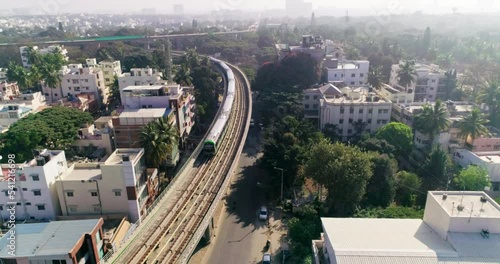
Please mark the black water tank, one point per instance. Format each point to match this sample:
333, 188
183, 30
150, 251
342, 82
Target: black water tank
40, 161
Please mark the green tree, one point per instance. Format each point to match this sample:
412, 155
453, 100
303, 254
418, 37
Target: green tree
398, 135
348, 172
472, 178
408, 186
317, 164
380, 189
158, 138
332, 132
407, 73
473, 125
302, 228
183, 76
114, 96
378, 145
375, 77
435, 171
17, 73
398, 212
490, 95
432, 120
451, 84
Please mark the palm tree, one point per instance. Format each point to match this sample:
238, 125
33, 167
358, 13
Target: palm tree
407, 73
158, 139
473, 125
17, 73
490, 95
52, 80
33, 56
183, 75
432, 120
375, 77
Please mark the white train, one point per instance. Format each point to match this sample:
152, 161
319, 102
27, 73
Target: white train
211, 143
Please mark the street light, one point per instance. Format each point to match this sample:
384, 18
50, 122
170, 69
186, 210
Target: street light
281, 183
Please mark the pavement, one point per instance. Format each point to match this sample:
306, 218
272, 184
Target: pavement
239, 236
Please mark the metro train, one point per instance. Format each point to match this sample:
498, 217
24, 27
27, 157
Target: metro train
214, 136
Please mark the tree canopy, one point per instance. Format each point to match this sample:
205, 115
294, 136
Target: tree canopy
472, 178
398, 135
380, 189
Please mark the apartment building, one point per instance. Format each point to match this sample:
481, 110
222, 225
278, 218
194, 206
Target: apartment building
58, 242
110, 69
349, 72
490, 160
15, 105
140, 77
36, 196
458, 227
396, 94
76, 80
120, 185
50, 49
98, 136
430, 83
352, 109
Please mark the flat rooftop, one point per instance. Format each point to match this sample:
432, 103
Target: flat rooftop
83, 174
349, 96
117, 156
144, 87
47, 239
145, 112
471, 204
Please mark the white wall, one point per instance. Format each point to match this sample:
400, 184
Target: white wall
436, 217
465, 158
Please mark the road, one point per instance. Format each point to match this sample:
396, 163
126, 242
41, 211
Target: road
240, 235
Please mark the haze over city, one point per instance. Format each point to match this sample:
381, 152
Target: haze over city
193, 6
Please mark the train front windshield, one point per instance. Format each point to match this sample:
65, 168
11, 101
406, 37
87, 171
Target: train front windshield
209, 148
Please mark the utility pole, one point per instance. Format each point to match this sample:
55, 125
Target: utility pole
280, 169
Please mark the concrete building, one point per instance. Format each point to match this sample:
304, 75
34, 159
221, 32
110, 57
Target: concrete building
14, 106
36, 194
352, 109
78, 241
76, 80
396, 94
490, 160
98, 136
311, 45
352, 73
140, 77
50, 49
110, 69
120, 185
334, 50
430, 83
458, 227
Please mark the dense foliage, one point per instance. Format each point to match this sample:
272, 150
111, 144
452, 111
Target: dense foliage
398, 135
52, 128
472, 178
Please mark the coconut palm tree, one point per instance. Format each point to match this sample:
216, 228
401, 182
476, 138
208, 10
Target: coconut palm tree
158, 139
52, 79
17, 73
432, 120
375, 77
33, 56
407, 73
183, 75
490, 95
473, 125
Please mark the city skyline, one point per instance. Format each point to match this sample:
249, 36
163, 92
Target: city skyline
191, 6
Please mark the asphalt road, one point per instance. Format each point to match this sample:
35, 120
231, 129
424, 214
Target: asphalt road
240, 236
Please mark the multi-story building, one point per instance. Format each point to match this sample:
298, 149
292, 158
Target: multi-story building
60, 242
174, 96
50, 49
405, 112
458, 227
15, 107
120, 185
11, 113
352, 109
311, 45
490, 160
36, 194
396, 94
430, 83
110, 69
140, 77
75, 80
334, 50
98, 136
354, 73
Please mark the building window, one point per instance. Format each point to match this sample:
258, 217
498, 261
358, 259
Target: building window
37, 193
306, 97
315, 106
384, 121
315, 97
341, 110
18, 203
41, 207
118, 193
27, 203
306, 106
353, 75
361, 75
69, 88
1, 207
75, 81
361, 110
349, 131
55, 94
386, 111
370, 111
369, 121
97, 208
335, 75
150, 106
360, 82
47, 94
352, 83
93, 193
25, 189
144, 106
350, 120
496, 147
380, 111
351, 110
35, 177
70, 194
341, 121
433, 81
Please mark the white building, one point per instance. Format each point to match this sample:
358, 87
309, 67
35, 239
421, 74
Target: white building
110, 69
120, 185
429, 85
99, 135
16, 106
140, 77
490, 160
50, 49
75, 80
396, 95
11, 113
352, 73
458, 227
36, 195
347, 108
77, 241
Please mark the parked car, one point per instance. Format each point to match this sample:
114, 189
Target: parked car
266, 259
263, 213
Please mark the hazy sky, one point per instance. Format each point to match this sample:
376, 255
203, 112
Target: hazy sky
165, 6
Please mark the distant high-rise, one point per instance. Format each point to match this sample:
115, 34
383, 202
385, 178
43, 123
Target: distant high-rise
298, 8
178, 9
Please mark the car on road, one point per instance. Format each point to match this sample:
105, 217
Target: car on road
252, 122
263, 213
266, 259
